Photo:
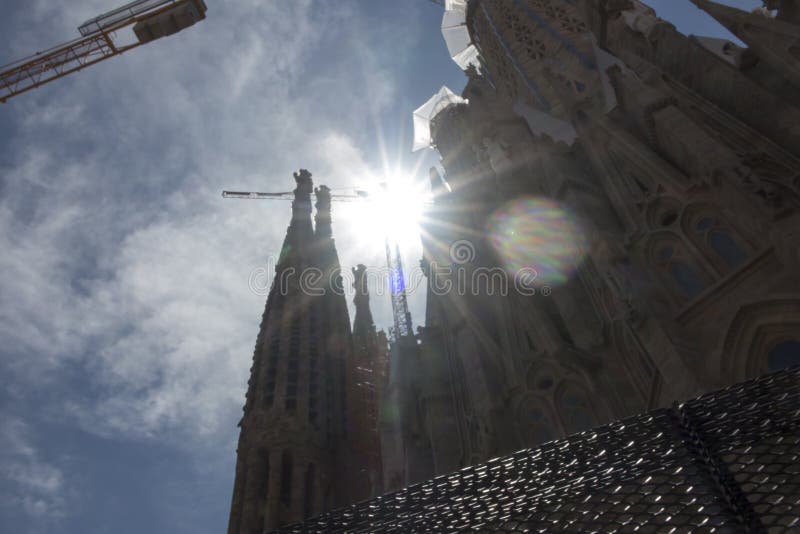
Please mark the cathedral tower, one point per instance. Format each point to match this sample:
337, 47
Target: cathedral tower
293, 432
367, 375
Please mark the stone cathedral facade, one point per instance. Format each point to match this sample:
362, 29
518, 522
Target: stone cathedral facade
680, 158
309, 434
677, 158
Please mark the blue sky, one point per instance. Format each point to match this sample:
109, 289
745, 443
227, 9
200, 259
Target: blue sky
126, 321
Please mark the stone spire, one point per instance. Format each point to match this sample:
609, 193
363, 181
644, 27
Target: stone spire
301, 206
288, 464
326, 258
300, 229
323, 216
772, 40
367, 375
363, 324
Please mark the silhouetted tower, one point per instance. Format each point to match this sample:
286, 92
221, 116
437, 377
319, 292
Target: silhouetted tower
288, 465
367, 375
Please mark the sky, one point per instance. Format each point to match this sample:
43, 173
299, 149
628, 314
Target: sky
127, 309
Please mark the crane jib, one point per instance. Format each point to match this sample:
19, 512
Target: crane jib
288, 195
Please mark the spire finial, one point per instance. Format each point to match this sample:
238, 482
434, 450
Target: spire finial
323, 194
304, 183
301, 206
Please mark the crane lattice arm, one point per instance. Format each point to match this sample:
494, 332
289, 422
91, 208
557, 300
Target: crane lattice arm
151, 19
288, 195
397, 290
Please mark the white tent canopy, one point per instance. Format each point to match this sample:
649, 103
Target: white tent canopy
428, 111
453, 5
456, 34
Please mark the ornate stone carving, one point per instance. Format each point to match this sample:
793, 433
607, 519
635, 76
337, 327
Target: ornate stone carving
775, 192
643, 19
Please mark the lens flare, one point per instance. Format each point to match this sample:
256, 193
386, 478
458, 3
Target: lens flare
537, 234
392, 208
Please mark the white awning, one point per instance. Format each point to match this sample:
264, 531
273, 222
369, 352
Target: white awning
456, 35
452, 5
428, 111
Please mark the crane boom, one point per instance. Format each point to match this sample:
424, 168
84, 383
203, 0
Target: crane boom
252, 195
151, 19
288, 195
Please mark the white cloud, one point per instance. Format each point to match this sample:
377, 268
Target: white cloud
120, 258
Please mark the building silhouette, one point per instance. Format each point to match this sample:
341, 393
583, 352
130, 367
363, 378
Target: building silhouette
653, 181
368, 369
646, 184
308, 440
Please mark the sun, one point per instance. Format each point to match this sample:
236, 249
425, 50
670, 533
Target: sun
391, 207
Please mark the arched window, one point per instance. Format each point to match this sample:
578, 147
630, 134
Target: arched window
575, 410
308, 497
534, 425
687, 278
783, 356
714, 233
726, 248
672, 258
714, 236
286, 478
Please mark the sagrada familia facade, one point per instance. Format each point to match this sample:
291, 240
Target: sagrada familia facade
679, 156
309, 440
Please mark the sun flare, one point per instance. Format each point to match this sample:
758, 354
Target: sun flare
391, 207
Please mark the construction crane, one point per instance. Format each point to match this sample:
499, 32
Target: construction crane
151, 20
402, 317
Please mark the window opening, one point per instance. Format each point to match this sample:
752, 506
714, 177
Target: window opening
286, 477
784, 355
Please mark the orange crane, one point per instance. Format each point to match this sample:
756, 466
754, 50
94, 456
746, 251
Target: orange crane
151, 19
